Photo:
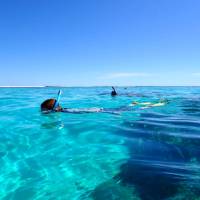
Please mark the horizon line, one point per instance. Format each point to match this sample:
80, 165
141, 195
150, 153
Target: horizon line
51, 86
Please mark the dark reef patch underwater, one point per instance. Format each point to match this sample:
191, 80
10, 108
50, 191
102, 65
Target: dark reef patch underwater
140, 154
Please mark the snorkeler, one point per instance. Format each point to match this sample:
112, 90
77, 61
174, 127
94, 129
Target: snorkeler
128, 94
113, 93
49, 106
52, 105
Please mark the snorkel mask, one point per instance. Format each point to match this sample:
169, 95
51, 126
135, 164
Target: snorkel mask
56, 104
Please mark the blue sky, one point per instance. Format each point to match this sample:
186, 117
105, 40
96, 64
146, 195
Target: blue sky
100, 42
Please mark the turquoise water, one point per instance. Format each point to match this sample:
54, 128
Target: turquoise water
145, 154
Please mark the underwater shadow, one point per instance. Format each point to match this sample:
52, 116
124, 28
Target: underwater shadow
157, 165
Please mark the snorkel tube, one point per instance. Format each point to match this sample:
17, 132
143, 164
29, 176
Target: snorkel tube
56, 104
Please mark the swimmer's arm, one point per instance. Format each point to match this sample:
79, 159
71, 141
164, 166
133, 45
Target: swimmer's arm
92, 110
81, 111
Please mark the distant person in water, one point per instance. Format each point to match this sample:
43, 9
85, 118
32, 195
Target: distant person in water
113, 93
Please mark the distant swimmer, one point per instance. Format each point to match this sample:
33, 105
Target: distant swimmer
113, 93
126, 93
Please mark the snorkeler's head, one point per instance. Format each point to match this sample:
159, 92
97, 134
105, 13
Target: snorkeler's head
113, 93
49, 105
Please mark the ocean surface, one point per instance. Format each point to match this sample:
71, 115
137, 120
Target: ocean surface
147, 154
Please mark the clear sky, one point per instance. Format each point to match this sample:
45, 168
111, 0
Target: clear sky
100, 42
